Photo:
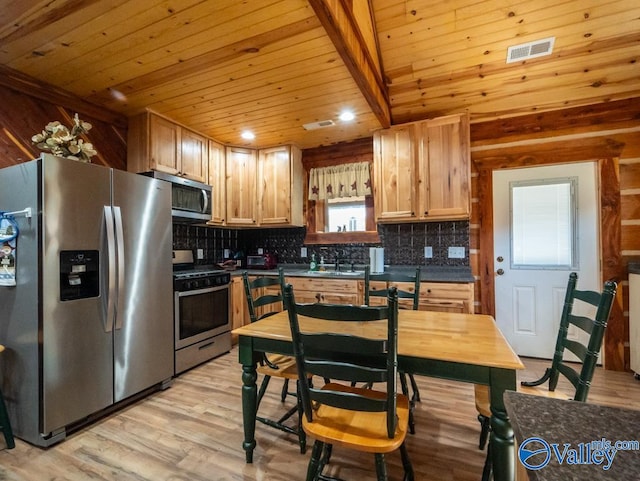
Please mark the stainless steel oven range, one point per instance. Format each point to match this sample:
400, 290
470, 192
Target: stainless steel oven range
202, 297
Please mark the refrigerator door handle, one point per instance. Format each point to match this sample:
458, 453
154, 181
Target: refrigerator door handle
117, 214
111, 258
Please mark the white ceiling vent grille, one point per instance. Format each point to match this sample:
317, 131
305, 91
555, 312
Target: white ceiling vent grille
319, 125
525, 51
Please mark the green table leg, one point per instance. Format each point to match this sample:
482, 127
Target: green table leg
502, 444
249, 395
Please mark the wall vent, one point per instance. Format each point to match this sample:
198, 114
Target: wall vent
525, 51
319, 125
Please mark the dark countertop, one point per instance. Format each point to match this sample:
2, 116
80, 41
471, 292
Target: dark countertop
427, 273
576, 423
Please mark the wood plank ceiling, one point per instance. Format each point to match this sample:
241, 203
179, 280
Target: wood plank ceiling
273, 65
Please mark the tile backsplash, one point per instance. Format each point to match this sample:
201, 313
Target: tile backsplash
404, 244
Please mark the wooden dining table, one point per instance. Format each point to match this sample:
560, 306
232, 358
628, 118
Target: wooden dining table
461, 347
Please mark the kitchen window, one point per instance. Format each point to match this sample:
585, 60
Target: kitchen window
331, 172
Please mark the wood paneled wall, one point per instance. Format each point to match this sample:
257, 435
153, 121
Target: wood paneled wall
608, 133
28, 105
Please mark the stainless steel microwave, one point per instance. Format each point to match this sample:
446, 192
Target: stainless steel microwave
190, 200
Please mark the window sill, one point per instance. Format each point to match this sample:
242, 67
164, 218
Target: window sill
365, 237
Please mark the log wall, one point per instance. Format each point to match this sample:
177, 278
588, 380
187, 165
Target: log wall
28, 105
608, 133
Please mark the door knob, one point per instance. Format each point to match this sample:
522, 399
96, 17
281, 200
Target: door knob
500, 259
500, 272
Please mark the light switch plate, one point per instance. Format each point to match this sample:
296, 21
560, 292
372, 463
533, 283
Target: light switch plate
428, 252
260, 251
200, 254
303, 252
227, 253
456, 252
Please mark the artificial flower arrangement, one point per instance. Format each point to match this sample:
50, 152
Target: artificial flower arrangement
62, 142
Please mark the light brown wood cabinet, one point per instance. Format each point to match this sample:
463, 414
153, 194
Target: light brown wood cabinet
194, 158
157, 143
241, 167
334, 291
264, 187
446, 297
280, 189
217, 181
434, 296
239, 309
422, 171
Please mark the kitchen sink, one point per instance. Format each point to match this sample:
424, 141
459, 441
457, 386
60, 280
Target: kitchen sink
334, 273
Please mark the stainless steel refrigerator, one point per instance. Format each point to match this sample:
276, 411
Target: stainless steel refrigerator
89, 322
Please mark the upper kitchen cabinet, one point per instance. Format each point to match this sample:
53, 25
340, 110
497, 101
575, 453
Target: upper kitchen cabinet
445, 167
217, 181
157, 143
241, 165
395, 169
194, 160
422, 171
280, 189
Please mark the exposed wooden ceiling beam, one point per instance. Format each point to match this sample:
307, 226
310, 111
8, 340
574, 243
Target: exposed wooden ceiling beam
338, 20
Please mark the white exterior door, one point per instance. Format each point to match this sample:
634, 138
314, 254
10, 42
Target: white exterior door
545, 226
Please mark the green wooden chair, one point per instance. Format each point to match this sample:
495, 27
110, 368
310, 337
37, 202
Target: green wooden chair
377, 295
343, 415
263, 305
5, 425
579, 374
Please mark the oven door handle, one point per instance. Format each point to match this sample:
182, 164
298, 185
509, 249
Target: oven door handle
205, 290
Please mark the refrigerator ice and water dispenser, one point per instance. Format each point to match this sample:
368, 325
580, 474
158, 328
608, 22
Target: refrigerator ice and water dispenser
79, 275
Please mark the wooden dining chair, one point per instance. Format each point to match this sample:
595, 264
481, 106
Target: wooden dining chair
5, 425
263, 304
376, 289
579, 374
342, 415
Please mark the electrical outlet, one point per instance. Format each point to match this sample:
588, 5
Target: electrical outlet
303, 252
200, 254
260, 251
428, 252
456, 252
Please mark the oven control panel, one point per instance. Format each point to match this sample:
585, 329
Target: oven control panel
201, 281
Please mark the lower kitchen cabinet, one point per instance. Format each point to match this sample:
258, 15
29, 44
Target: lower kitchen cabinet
446, 297
239, 309
333, 291
434, 296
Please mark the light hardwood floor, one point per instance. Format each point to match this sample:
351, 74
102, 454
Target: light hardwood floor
193, 431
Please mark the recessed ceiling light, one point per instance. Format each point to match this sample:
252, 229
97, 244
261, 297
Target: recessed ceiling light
248, 135
347, 115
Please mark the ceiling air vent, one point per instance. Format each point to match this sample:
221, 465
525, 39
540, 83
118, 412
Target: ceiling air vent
525, 51
319, 125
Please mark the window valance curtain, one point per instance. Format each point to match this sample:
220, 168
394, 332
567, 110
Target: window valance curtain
346, 180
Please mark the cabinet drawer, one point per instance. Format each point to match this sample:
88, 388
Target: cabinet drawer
323, 285
445, 290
